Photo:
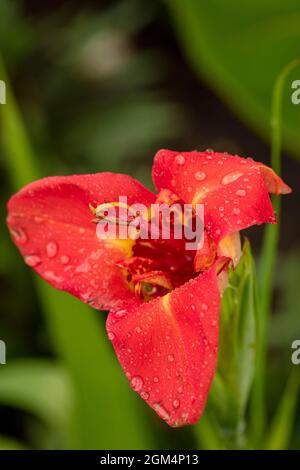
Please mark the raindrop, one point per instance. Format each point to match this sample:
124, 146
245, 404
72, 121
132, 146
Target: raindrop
111, 335
180, 160
32, 260
136, 383
161, 411
120, 313
200, 176
241, 192
170, 358
52, 249
231, 177
145, 395
176, 404
19, 235
155, 379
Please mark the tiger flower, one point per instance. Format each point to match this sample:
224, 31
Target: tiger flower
163, 300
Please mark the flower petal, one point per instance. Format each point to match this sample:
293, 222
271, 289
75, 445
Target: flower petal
51, 223
234, 190
168, 347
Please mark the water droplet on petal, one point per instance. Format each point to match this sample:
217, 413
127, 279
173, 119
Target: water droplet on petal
231, 177
32, 260
176, 404
236, 211
180, 160
204, 307
162, 412
241, 192
200, 176
52, 249
155, 379
111, 335
120, 313
145, 395
170, 358
64, 259
136, 383
19, 235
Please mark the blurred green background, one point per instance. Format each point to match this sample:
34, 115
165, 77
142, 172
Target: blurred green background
101, 86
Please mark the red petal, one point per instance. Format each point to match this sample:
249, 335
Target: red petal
51, 223
168, 348
234, 190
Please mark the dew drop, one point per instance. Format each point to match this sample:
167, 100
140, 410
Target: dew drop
180, 160
145, 395
120, 313
236, 211
241, 192
52, 249
176, 404
231, 177
32, 260
170, 358
161, 411
64, 259
136, 383
19, 236
204, 307
155, 379
200, 176
111, 335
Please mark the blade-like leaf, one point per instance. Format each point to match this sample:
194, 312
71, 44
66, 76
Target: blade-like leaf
25, 384
282, 426
236, 359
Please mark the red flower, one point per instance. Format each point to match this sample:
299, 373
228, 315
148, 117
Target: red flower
164, 301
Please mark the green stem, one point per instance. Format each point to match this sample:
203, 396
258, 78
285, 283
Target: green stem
268, 260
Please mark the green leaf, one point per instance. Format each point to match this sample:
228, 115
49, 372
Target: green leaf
268, 257
7, 443
239, 48
283, 421
25, 384
236, 358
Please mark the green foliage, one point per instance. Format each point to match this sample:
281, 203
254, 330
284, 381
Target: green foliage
236, 359
240, 48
